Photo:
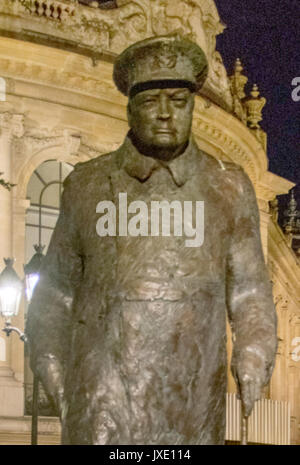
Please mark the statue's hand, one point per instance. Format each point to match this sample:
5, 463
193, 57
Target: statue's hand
50, 374
250, 375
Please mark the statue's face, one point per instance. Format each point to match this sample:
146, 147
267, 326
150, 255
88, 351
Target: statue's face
161, 119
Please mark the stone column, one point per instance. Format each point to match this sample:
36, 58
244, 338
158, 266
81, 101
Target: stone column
11, 125
11, 388
294, 375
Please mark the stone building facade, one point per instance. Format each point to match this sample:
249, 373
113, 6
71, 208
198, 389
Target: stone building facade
58, 102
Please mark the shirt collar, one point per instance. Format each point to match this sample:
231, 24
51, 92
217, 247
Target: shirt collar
142, 167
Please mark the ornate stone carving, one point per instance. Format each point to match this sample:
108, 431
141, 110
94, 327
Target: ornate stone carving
71, 143
247, 109
218, 79
183, 17
52, 9
11, 124
34, 143
254, 106
109, 31
281, 302
237, 86
294, 319
228, 144
93, 151
238, 80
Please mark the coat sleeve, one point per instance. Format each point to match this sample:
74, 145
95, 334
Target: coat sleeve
250, 305
49, 314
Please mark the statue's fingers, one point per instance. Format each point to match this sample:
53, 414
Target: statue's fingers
258, 388
238, 394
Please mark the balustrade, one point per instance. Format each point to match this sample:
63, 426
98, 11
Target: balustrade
54, 9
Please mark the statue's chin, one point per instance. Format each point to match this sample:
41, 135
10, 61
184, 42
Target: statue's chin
163, 149
165, 152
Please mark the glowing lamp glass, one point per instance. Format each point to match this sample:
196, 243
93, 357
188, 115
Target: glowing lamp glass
9, 301
31, 281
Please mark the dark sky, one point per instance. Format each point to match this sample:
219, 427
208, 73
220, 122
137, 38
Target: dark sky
265, 35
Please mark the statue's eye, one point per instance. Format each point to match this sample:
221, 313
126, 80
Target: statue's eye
179, 100
150, 100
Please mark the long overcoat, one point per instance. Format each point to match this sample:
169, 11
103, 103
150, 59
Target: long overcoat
138, 323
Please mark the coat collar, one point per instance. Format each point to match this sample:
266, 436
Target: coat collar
142, 167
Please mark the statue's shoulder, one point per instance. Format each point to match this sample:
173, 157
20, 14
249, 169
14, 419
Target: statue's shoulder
229, 178
237, 176
225, 171
213, 164
85, 172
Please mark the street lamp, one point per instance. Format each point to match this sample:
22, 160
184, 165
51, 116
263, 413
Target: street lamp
11, 288
10, 296
32, 269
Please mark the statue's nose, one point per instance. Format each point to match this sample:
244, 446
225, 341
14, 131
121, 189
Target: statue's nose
164, 107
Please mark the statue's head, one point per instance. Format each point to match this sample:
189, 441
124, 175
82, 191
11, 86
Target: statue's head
160, 76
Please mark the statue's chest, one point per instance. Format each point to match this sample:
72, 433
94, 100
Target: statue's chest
157, 229
192, 215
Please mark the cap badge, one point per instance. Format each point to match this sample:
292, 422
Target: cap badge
165, 59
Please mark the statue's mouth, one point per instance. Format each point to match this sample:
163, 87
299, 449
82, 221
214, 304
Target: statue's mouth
164, 131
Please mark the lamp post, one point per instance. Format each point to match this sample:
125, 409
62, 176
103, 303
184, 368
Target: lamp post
32, 277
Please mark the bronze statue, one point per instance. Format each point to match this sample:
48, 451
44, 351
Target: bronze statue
127, 331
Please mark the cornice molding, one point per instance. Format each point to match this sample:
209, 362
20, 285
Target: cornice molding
47, 75
272, 185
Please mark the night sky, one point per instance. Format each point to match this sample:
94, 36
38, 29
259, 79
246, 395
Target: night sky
265, 35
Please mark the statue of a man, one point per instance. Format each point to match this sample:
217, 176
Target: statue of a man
127, 326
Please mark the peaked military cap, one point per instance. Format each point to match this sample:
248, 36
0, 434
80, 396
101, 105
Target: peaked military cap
161, 61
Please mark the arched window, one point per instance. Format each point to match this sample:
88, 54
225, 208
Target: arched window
44, 191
